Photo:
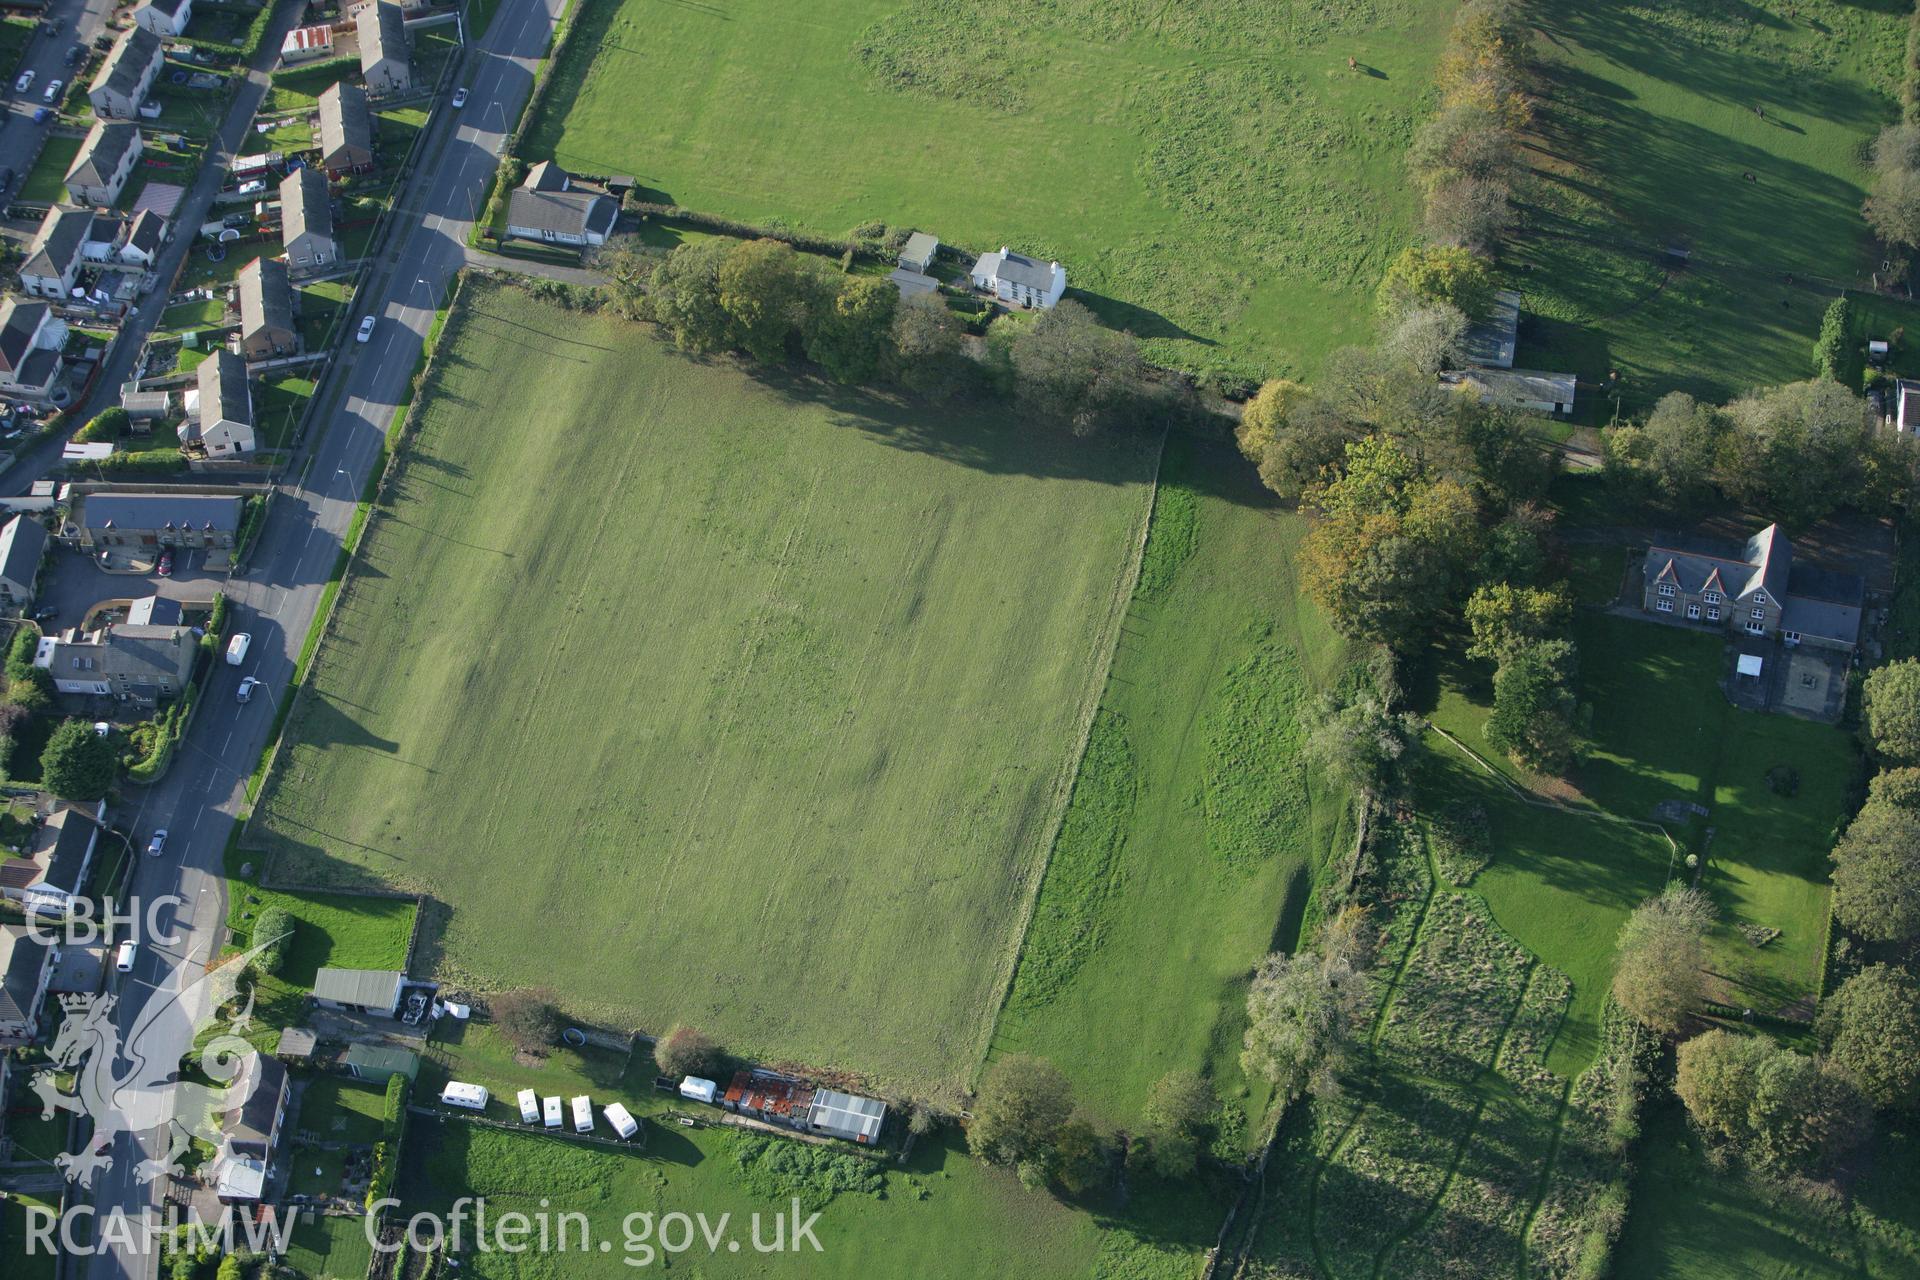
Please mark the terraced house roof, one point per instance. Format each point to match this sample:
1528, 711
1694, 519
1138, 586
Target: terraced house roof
21, 960
20, 319
137, 511
304, 206
57, 243
224, 395
266, 299
106, 146
22, 544
343, 120
135, 51
383, 33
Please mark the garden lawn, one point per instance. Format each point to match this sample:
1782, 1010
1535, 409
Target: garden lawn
282, 401
40, 1264
1216, 177
1736, 132
940, 1215
329, 1248
1189, 848
765, 695
46, 181
1693, 1221
340, 1109
1661, 731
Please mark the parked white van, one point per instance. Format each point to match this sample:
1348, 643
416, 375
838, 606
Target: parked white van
123, 958
583, 1114
471, 1096
237, 648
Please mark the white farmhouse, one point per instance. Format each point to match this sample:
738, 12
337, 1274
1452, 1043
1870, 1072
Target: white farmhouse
1017, 279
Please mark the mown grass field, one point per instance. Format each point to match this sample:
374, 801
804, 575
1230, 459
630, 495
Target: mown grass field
14, 1222
765, 697
329, 1248
1215, 176
1188, 850
1735, 131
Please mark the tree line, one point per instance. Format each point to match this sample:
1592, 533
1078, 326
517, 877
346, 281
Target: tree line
1467, 158
777, 306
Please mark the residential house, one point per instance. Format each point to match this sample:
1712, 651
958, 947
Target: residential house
124, 79
346, 130
121, 661
164, 17
305, 43
1019, 280
103, 237
220, 412
1756, 588
359, 990
918, 252
250, 1132
385, 63
144, 239
1492, 340
31, 339
266, 310
23, 545
106, 521
1517, 388
545, 207
54, 255
306, 220
52, 870
26, 966
106, 159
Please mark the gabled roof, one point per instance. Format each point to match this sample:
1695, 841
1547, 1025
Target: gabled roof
150, 654
106, 144
60, 847
153, 611
919, 247
1740, 570
1017, 268
304, 206
266, 298
224, 393
249, 1126
20, 320
383, 33
57, 243
1825, 604
344, 121
21, 962
1491, 340
547, 176
132, 54
567, 212
168, 7
23, 542
148, 232
142, 511
1772, 557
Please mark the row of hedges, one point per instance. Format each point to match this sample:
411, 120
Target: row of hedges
393, 1132
321, 73
253, 518
801, 240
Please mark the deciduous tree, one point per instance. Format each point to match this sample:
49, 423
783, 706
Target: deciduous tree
1876, 874
1426, 274
684, 297
851, 326
1503, 618
687, 1051
1017, 1116
1892, 707
1779, 1110
764, 287
1535, 712
1302, 1010
1871, 1024
1359, 743
1069, 366
77, 763
1658, 974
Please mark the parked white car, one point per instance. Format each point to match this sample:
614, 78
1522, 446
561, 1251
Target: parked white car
366, 330
24, 83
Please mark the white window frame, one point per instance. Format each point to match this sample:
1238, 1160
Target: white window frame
1664, 606
1758, 614
1755, 629
1666, 588
1711, 597
1693, 612
1713, 613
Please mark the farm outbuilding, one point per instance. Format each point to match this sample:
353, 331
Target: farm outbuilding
367, 990
918, 252
843, 1115
380, 1063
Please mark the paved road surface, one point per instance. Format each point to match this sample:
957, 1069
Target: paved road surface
74, 22
199, 798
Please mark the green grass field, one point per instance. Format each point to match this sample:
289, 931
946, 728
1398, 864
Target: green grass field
1563, 883
45, 183
774, 690
342, 1109
22, 1265
329, 1248
1214, 176
1690, 1220
1188, 849
1652, 118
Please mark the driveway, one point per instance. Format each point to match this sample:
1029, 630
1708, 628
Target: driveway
73, 584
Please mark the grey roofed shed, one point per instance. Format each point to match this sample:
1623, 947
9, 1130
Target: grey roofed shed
221, 512
23, 542
360, 988
297, 1042
917, 253
1491, 339
379, 1062
912, 282
846, 1116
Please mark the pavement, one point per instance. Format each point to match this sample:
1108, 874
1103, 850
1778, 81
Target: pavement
201, 797
74, 22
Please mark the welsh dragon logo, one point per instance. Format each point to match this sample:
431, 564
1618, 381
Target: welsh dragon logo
133, 1085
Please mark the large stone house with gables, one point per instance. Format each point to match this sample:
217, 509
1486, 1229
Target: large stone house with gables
1755, 590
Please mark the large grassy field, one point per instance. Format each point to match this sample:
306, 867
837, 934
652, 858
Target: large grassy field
1214, 176
1188, 849
1734, 130
695, 697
